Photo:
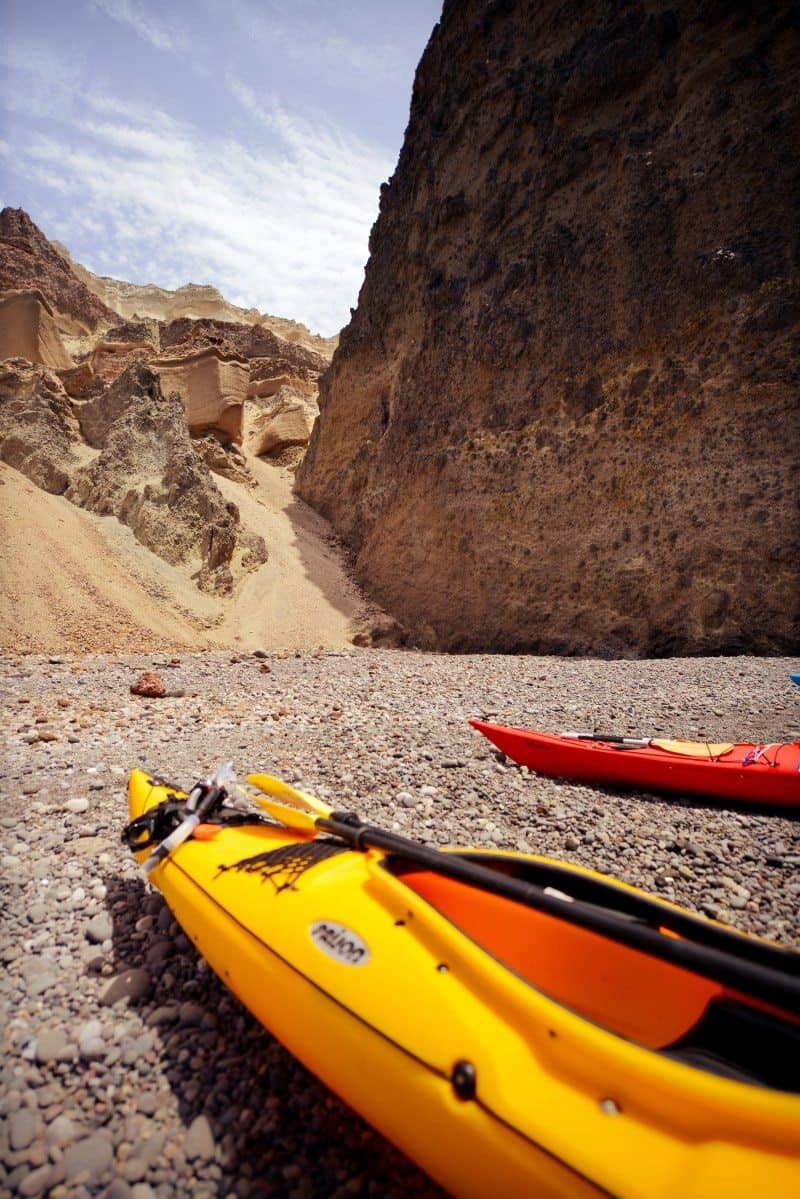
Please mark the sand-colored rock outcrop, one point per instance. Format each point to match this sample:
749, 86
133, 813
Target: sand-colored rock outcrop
212, 388
564, 414
28, 330
282, 420
216, 363
126, 452
148, 475
193, 301
246, 341
39, 433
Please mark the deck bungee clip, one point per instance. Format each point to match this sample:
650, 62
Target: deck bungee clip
175, 820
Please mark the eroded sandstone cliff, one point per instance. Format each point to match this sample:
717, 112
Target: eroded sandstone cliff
29, 261
194, 301
227, 367
564, 416
126, 452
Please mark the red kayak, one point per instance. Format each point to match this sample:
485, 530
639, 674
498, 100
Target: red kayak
745, 772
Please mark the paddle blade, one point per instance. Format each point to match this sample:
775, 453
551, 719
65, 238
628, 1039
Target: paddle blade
290, 817
694, 749
280, 790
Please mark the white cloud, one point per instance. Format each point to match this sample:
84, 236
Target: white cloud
305, 34
134, 14
279, 223
276, 216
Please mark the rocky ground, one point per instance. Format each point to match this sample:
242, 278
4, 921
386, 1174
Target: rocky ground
129, 1071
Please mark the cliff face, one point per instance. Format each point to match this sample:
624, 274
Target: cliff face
217, 366
126, 452
564, 416
29, 261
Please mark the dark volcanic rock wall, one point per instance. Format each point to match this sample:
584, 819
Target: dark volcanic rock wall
564, 415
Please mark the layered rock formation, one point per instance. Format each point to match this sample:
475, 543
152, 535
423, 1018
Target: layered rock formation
132, 416
212, 387
193, 301
564, 416
28, 330
126, 452
280, 421
216, 363
28, 261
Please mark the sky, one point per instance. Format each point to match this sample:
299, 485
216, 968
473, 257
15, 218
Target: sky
238, 143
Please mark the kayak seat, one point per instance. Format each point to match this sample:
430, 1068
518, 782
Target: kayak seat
744, 1043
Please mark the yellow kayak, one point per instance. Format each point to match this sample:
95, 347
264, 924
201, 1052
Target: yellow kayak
517, 1026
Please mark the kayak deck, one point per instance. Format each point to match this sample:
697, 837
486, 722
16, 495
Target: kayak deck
744, 772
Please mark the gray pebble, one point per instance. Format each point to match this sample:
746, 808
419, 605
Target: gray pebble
130, 985
142, 1190
99, 929
92, 1048
93, 1155
191, 1014
165, 1014
36, 1182
134, 1169
21, 1128
61, 1132
199, 1140
77, 806
119, 1189
50, 1044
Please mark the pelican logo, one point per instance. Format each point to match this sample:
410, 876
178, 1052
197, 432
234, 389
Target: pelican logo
339, 943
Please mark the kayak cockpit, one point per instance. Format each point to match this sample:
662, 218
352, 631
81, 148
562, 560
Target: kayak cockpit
634, 994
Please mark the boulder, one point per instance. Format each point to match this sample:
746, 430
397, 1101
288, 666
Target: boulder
150, 685
223, 458
278, 422
212, 388
28, 330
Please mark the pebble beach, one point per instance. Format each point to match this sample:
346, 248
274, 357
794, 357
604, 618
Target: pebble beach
128, 1070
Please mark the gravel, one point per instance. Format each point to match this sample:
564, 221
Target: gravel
128, 1070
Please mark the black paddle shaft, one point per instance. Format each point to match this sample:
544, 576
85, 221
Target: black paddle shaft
730, 960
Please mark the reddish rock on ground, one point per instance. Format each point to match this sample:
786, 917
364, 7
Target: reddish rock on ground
150, 685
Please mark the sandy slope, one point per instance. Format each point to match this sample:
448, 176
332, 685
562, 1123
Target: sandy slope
71, 582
